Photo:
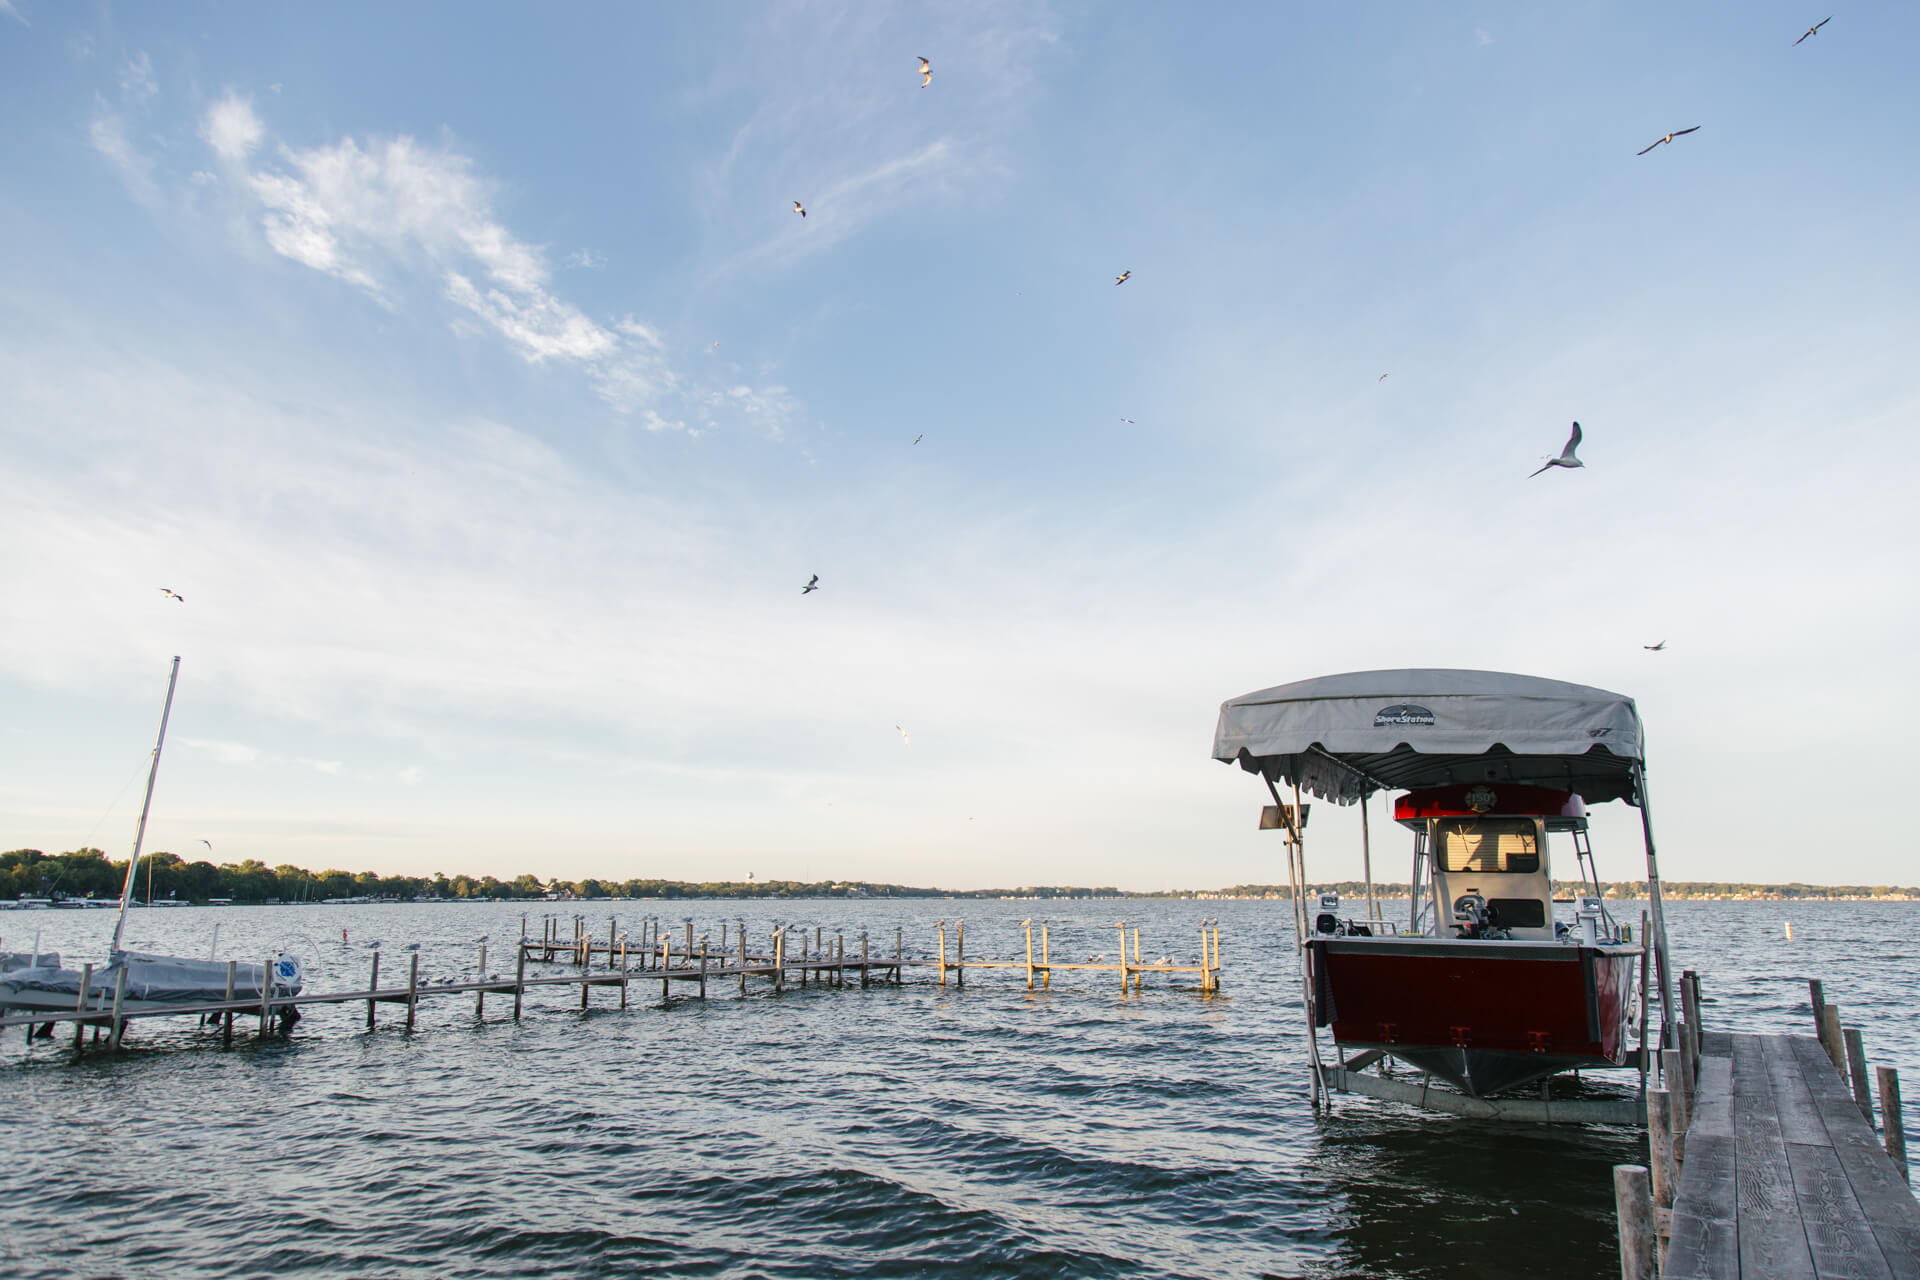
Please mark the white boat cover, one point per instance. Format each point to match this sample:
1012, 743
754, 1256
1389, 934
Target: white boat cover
1343, 737
150, 980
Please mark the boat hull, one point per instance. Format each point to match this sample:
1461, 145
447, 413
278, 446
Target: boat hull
1483, 1015
153, 983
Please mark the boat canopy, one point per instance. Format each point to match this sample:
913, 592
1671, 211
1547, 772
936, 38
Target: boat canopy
1344, 737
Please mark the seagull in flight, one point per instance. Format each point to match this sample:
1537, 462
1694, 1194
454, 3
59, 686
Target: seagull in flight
799, 208
904, 740
813, 584
1677, 133
1654, 648
1815, 28
926, 73
1129, 421
1123, 277
175, 594
922, 436
1566, 458
209, 845
1381, 378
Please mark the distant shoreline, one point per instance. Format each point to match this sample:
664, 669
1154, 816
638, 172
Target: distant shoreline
31, 878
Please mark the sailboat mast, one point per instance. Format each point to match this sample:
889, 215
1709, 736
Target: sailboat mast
140, 832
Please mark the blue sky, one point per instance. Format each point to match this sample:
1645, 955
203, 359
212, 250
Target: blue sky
467, 370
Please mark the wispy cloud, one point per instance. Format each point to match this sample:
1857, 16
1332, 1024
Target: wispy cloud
7, 7
136, 78
851, 134
1482, 36
224, 752
108, 133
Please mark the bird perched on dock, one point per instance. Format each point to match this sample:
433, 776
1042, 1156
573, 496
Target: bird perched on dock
1815, 28
926, 73
1677, 133
1123, 277
799, 208
1566, 458
813, 584
1654, 648
174, 594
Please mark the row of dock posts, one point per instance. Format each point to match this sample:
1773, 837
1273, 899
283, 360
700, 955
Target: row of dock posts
1644, 1195
1130, 972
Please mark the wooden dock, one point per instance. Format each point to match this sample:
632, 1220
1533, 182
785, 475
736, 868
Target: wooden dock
1783, 1176
1765, 1164
786, 957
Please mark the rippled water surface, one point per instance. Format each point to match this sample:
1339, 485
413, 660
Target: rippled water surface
894, 1131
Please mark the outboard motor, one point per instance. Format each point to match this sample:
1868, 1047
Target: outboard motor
1469, 915
1328, 921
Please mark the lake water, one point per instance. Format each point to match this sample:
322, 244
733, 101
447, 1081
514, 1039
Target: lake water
894, 1131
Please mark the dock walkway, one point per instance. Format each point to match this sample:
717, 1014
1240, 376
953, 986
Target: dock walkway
1783, 1176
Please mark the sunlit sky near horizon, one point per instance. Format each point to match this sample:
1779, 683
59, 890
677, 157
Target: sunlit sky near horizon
468, 372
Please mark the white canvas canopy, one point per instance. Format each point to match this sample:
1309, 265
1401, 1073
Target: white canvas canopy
1343, 737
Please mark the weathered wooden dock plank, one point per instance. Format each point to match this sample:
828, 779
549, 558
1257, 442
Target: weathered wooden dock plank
1839, 1235
1783, 1176
1773, 1239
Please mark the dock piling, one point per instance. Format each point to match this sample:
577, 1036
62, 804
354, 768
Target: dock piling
1673, 1077
703, 966
959, 953
1124, 975
1633, 1204
119, 998
865, 971
519, 979
1665, 1169
1892, 1121
1817, 993
86, 984
413, 990
373, 985
1027, 924
1832, 1039
1857, 1071
943, 952
480, 996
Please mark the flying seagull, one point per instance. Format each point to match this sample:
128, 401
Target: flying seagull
1566, 458
1123, 277
799, 208
1814, 29
1677, 133
926, 73
175, 594
813, 584
904, 740
1381, 378
1654, 648
1129, 421
209, 845
922, 436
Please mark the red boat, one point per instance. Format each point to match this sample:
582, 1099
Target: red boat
1483, 986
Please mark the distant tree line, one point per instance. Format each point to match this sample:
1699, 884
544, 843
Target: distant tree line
89, 873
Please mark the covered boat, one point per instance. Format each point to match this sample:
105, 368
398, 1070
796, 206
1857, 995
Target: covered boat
1481, 986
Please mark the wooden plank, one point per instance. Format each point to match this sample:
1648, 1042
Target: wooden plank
1838, 1234
1884, 1199
1705, 1243
1773, 1240
1713, 1114
1799, 1115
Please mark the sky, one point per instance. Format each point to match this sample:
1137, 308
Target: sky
468, 372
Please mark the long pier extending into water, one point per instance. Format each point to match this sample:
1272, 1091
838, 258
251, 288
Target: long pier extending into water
788, 957
1766, 1166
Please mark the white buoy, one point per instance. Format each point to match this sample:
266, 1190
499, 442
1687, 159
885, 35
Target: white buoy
1789, 931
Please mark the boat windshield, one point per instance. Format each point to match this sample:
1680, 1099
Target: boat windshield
1489, 844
